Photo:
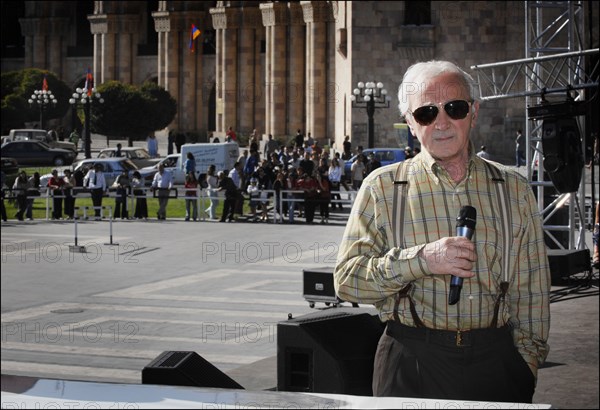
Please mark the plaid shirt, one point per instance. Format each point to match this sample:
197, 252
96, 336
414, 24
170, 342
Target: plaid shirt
370, 269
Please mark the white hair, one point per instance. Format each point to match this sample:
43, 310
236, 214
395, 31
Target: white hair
415, 78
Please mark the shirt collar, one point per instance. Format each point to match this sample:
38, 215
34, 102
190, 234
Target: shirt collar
435, 170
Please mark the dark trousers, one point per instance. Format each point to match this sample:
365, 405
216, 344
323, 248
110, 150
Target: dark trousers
141, 208
324, 207
22, 205
418, 362
57, 205
69, 204
97, 200
310, 205
121, 204
228, 208
163, 201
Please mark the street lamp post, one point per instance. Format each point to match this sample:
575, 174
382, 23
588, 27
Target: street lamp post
86, 98
43, 98
370, 95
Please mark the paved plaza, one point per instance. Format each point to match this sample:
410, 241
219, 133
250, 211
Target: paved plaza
218, 289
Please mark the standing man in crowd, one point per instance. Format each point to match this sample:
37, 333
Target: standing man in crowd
400, 251
152, 144
94, 181
347, 148
299, 139
231, 195
162, 184
56, 185
357, 172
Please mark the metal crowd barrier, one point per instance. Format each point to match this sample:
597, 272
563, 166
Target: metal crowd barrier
288, 196
202, 197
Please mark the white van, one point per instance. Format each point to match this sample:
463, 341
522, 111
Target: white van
223, 155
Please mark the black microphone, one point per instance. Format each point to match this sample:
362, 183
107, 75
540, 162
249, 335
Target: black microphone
465, 226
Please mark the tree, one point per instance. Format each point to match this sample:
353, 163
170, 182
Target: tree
132, 112
17, 87
162, 108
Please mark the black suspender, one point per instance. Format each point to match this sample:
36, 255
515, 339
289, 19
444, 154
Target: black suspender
399, 209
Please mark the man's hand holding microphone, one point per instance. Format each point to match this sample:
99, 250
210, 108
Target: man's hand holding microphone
454, 255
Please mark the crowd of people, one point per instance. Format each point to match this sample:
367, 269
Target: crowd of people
309, 176
258, 177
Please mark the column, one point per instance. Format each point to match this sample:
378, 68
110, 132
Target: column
179, 70
249, 57
115, 45
296, 103
33, 29
162, 24
275, 19
226, 21
58, 32
99, 29
316, 15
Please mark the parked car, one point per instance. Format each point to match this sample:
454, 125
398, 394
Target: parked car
37, 153
385, 155
26, 134
10, 167
139, 156
112, 168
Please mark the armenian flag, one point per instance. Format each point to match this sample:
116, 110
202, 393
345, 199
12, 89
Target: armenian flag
45, 83
194, 33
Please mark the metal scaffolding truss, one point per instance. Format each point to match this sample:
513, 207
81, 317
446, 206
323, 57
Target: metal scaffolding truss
556, 65
545, 75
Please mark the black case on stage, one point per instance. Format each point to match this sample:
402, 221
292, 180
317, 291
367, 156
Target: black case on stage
318, 286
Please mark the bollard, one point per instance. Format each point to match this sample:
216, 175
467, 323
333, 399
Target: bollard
110, 230
76, 248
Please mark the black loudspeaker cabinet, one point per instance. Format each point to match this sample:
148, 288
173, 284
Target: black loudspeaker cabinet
563, 155
331, 351
564, 263
177, 368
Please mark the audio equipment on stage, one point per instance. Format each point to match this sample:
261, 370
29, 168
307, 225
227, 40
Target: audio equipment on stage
331, 351
173, 368
563, 153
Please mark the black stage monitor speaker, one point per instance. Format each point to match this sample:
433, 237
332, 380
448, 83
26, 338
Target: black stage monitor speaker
563, 155
564, 263
331, 351
185, 369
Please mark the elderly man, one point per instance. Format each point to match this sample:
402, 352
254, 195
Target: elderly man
467, 310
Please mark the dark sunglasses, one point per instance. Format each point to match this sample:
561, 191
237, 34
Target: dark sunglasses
456, 109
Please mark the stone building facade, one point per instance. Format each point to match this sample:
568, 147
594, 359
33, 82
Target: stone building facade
278, 66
